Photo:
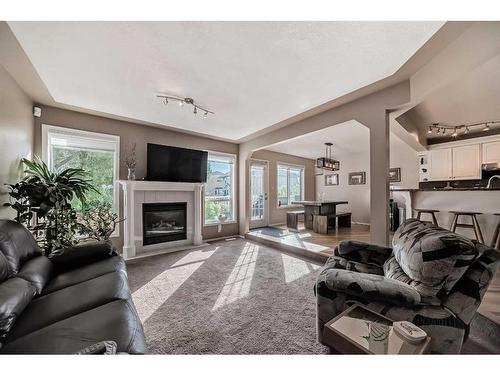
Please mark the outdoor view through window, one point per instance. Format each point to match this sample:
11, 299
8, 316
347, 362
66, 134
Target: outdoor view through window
289, 184
219, 200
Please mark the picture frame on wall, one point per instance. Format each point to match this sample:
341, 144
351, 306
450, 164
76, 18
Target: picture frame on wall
357, 178
395, 175
331, 179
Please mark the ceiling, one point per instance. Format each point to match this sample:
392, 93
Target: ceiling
252, 74
348, 138
473, 98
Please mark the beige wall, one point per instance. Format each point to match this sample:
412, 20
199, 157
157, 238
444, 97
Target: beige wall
277, 215
141, 135
16, 134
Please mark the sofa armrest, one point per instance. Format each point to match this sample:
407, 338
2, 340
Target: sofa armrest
81, 255
363, 252
103, 347
375, 288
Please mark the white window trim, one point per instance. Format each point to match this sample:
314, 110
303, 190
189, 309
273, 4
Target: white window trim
233, 188
302, 187
114, 139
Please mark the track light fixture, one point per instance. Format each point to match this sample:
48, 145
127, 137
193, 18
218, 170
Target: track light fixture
442, 129
183, 101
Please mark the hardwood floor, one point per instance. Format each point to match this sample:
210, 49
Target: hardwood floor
308, 243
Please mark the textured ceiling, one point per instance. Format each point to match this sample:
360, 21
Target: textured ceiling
252, 74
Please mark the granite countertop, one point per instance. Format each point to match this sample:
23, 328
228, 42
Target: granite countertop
450, 189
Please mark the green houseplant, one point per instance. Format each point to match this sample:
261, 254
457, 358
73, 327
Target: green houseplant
42, 201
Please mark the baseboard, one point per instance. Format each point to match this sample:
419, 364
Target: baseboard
360, 223
208, 240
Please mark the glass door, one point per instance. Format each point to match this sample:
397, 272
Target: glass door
258, 194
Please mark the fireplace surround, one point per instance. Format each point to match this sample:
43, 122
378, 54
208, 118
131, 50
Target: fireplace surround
164, 222
139, 192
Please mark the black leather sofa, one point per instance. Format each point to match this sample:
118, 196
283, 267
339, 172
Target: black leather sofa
75, 299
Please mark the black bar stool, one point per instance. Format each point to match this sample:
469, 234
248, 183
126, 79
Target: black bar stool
495, 242
421, 211
474, 225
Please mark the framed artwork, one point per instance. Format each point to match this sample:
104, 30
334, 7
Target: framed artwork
357, 178
395, 175
331, 179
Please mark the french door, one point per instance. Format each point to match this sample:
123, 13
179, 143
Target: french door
258, 194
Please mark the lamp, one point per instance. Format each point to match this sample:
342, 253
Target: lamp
183, 101
327, 162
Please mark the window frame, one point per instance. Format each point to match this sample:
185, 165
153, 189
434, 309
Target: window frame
302, 187
234, 157
112, 140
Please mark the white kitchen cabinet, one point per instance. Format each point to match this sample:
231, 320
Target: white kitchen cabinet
440, 164
466, 162
491, 152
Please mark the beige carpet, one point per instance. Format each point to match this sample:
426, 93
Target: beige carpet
232, 297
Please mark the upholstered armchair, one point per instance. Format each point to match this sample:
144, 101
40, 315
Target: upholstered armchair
431, 277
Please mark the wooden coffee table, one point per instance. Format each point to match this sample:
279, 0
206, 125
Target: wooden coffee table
359, 330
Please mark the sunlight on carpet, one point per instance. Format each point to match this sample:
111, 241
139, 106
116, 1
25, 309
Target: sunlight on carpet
155, 293
296, 268
238, 283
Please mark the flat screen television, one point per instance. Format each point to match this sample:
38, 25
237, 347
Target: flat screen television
176, 164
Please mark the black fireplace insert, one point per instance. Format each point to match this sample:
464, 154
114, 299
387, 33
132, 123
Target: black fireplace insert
163, 222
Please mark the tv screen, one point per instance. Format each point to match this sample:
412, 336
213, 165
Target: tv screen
175, 164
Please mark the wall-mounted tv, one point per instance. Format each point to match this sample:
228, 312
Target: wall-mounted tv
175, 164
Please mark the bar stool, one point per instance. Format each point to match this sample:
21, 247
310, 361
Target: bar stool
474, 225
421, 211
495, 242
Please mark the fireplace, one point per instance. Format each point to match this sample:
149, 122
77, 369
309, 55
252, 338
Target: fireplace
163, 222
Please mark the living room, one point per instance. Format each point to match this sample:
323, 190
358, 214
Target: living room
209, 187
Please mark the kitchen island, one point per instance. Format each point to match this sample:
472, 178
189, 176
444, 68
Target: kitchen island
478, 199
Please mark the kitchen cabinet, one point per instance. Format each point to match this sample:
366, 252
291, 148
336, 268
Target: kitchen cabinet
440, 164
466, 162
455, 163
491, 152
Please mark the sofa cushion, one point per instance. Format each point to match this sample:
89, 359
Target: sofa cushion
15, 295
67, 302
17, 244
5, 270
82, 254
116, 321
76, 276
37, 271
433, 256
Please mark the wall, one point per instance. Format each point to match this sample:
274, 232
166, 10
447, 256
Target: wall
404, 157
141, 135
401, 156
16, 134
277, 215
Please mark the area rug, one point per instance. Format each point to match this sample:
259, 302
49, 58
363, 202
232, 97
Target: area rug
232, 297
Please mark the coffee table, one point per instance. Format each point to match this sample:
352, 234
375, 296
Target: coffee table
359, 330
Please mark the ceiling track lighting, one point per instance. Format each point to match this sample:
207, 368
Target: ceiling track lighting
183, 101
442, 129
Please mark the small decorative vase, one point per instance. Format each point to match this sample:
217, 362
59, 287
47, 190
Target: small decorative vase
131, 174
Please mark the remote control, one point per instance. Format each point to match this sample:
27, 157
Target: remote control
409, 331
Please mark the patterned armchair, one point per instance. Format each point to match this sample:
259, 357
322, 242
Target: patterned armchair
431, 277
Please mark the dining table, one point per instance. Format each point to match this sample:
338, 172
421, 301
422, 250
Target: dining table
312, 208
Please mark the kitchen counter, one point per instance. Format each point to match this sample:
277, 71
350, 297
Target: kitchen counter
485, 201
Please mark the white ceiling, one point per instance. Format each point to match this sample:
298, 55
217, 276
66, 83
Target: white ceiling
252, 74
473, 98
348, 138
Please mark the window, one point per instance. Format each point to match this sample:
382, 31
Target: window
219, 189
94, 152
290, 184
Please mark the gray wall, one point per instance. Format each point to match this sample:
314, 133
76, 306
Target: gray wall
277, 215
16, 134
141, 135
401, 156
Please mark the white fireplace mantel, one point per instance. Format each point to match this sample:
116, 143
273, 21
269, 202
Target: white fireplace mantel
137, 192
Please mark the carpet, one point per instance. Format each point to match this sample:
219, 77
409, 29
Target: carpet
239, 297
231, 297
